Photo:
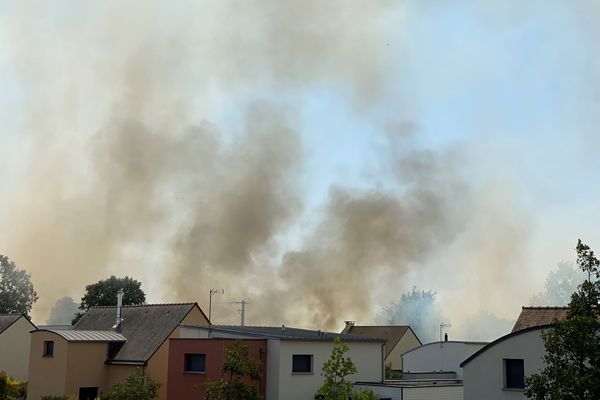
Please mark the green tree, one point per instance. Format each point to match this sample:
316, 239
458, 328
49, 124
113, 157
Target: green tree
572, 359
237, 365
104, 293
335, 370
12, 389
137, 386
417, 308
16, 290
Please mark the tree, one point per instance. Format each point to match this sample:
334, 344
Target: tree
417, 308
63, 311
137, 386
16, 290
104, 293
572, 359
12, 389
335, 370
559, 286
237, 365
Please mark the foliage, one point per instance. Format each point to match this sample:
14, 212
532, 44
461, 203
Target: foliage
237, 364
390, 373
63, 311
335, 370
16, 291
52, 397
365, 394
417, 308
559, 286
572, 359
11, 389
104, 293
137, 386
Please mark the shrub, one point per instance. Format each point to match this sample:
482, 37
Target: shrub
137, 386
366, 394
11, 389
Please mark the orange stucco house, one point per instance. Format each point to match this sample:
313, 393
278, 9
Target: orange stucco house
89, 358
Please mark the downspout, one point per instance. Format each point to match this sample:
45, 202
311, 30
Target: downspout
383, 362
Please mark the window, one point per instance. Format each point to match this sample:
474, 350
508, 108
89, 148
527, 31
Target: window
48, 348
514, 374
88, 393
302, 363
195, 363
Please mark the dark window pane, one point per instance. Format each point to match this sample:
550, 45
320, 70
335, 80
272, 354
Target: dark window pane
48, 348
514, 373
195, 362
302, 363
89, 393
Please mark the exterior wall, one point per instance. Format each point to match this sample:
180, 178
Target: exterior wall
118, 373
367, 357
273, 367
407, 342
47, 375
15, 342
85, 367
158, 365
484, 375
439, 356
415, 393
189, 385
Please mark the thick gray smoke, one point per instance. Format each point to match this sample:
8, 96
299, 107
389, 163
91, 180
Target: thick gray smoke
129, 164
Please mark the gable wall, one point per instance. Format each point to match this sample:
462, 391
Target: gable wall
15, 342
408, 342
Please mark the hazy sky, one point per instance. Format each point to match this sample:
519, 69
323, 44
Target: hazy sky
474, 123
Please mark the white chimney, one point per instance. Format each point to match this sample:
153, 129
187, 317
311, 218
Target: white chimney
118, 321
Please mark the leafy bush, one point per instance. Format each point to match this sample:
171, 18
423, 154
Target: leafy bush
366, 394
137, 386
52, 397
11, 389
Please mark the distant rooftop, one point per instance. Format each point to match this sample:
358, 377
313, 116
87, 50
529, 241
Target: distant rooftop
6, 320
284, 333
391, 334
538, 316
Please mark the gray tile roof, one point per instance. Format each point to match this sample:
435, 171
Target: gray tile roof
278, 332
88, 336
145, 327
7, 320
538, 316
391, 334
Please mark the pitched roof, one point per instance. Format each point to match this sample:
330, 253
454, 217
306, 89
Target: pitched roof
391, 334
537, 316
87, 336
145, 327
6, 320
285, 333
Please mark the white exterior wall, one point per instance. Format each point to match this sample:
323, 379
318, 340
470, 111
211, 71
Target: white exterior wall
407, 342
439, 356
415, 393
15, 343
484, 375
273, 367
367, 357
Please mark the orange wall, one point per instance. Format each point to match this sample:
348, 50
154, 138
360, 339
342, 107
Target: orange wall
47, 375
85, 367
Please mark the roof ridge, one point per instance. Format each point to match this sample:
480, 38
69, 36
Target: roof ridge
544, 307
147, 305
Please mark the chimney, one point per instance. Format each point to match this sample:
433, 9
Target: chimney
118, 321
445, 337
282, 328
348, 327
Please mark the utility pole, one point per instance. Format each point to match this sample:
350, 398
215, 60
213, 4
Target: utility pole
212, 291
242, 310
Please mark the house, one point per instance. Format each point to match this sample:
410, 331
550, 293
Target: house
438, 358
195, 362
415, 389
498, 370
398, 340
99, 351
14, 344
294, 356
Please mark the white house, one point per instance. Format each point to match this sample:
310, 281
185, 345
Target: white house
15, 340
439, 357
295, 356
498, 370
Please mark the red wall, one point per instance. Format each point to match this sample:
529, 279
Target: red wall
189, 386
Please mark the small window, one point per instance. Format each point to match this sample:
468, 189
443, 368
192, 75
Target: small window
514, 374
302, 363
48, 348
195, 363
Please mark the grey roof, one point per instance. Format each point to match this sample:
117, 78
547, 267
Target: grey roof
87, 336
536, 316
6, 320
145, 327
278, 332
390, 333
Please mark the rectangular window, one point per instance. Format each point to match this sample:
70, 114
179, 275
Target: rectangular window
302, 363
88, 393
195, 363
514, 374
48, 348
